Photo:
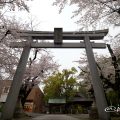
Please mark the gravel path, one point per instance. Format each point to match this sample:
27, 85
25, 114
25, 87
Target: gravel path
55, 117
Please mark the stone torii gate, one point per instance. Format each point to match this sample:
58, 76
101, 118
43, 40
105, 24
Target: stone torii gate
58, 36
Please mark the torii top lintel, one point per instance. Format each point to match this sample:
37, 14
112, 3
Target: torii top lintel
73, 35
58, 36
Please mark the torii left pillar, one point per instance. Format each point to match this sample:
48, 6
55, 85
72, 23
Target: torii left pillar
9, 107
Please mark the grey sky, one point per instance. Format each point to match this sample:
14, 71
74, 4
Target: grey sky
49, 19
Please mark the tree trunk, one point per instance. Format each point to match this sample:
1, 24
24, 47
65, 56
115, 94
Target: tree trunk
19, 112
117, 71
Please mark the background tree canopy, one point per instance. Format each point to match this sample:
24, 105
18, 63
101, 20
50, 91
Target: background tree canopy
14, 4
92, 12
61, 84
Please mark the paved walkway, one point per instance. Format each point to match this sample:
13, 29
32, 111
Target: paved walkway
55, 117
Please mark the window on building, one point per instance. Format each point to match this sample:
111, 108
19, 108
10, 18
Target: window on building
6, 89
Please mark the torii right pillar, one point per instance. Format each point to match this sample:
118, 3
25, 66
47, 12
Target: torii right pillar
96, 81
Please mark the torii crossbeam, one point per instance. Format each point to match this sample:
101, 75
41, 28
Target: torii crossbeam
58, 36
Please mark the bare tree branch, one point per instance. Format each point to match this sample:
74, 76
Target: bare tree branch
82, 70
3, 2
6, 33
104, 3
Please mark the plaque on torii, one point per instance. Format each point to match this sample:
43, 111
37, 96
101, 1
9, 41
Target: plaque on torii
58, 36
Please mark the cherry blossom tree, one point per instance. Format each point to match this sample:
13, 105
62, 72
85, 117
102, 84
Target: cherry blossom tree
93, 12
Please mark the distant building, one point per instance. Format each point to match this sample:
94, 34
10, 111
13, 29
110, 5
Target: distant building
4, 89
77, 104
56, 106
34, 101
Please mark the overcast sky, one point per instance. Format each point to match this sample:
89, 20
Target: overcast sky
47, 16
50, 18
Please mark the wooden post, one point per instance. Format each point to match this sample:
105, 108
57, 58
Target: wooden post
9, 107
97, 84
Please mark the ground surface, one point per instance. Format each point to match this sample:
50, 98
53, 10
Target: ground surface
65, 117
55, 117
34, 116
